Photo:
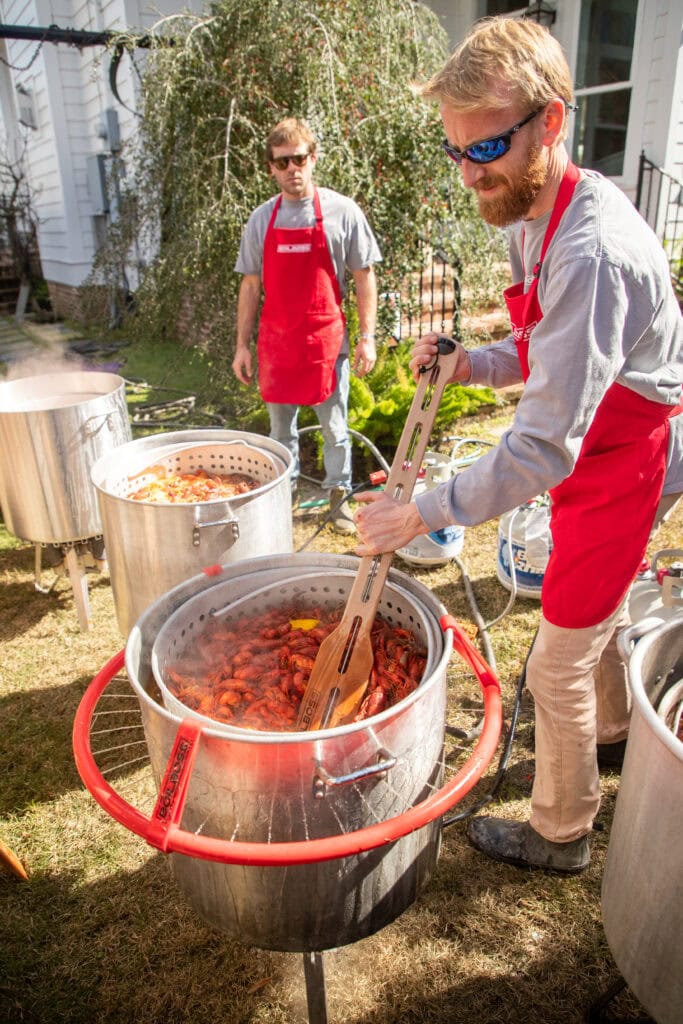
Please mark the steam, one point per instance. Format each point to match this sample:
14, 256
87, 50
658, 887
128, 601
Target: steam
45, 360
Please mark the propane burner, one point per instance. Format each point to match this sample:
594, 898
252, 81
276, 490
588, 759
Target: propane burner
75, 559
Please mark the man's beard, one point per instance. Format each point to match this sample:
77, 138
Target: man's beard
516, 201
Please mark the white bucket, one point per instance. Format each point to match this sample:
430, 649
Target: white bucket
524, 546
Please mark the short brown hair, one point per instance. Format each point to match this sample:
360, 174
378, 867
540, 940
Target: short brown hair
290, 129
503, 60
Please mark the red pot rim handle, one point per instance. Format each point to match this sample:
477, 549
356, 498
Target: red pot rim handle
162, 829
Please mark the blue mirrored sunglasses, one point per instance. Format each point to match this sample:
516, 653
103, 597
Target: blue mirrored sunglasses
488, 150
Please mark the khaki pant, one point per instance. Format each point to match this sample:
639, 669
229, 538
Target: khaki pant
579, 685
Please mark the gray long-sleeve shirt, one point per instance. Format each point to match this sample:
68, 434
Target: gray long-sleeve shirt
609, 314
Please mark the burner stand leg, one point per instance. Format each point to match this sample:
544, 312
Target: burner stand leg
79, 585
314, 973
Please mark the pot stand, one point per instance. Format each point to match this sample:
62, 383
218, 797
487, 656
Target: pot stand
162, 827
75, 559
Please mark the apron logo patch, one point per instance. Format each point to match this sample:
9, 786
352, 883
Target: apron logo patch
291, 247
523, 332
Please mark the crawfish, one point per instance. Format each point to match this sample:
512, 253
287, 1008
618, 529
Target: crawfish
251, 672
375, 702
302, 663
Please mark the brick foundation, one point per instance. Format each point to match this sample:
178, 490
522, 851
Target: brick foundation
84, 306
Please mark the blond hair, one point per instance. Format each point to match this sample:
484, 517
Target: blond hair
290, 130
502, 61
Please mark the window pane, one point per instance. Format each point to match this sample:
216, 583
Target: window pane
605, 42
504, 6
600, 136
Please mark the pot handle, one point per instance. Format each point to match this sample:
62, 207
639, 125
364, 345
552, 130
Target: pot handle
95, 424
627, 639
231, 521
322, 780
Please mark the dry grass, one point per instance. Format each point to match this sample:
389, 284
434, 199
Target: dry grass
100, 933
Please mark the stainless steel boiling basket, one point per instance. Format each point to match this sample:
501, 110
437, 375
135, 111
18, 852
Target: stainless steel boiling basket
326, 590
154, 546
219, 458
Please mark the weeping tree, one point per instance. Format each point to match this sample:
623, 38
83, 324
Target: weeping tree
213, 88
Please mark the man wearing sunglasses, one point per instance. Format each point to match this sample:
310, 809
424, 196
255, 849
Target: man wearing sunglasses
297, 249
597, 340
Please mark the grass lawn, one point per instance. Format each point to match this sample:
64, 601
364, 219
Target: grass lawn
101, 934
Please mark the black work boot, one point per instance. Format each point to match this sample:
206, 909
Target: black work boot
611, 756
516, 842
341, 515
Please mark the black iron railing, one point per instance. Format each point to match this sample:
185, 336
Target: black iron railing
659, 198
429, 299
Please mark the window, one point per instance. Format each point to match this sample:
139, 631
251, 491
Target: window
504, 7
603, 83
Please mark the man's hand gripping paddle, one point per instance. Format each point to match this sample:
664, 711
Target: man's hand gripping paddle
341, 671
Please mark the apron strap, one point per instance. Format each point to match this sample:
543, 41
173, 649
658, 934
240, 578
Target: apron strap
273, 216
565, 192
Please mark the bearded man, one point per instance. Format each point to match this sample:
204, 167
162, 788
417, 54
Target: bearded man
596, 339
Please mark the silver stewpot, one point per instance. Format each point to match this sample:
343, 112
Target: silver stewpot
53, 429
642, 887
267, 787
152, 547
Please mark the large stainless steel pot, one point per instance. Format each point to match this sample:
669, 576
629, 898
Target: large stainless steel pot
53, 429
642, 890
280, 787
153, 547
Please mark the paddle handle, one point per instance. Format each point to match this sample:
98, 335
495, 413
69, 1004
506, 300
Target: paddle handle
353, 632
373, 569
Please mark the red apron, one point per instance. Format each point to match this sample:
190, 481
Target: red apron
301, 329
603, 511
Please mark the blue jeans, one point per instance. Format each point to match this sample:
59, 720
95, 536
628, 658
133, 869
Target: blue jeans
332, 417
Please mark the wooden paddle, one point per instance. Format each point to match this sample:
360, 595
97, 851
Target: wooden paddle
342, 666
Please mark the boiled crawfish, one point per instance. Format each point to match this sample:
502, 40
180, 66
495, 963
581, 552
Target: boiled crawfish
253, 673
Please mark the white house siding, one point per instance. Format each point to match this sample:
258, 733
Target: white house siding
71, 93
673, 158
655, 120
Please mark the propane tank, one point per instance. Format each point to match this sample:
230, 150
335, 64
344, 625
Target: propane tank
525, 532
657, 591
439, 546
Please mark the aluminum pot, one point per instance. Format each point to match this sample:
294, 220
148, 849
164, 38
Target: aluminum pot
153, 547
53, 429
280, 787
642, 889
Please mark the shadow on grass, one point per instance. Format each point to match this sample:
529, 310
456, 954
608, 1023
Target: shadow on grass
22, 606
36, 745
127, 948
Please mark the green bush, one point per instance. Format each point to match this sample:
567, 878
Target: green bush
379, 403
212, 89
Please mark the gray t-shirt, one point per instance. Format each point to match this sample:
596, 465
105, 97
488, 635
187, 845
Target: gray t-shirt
609, 314
351, 243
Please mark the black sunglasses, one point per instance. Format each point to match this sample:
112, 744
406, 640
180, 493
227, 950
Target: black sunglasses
282, 162
488, 150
